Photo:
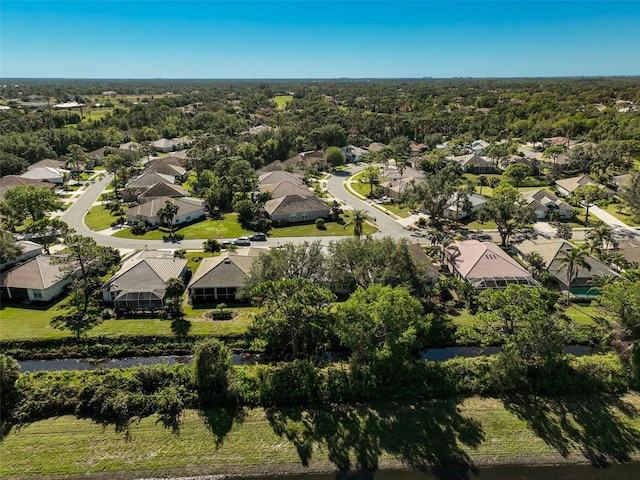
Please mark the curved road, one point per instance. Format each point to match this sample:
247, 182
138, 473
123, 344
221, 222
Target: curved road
74, 217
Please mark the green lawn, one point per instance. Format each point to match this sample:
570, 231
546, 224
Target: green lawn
387, 434
99, 218
282, 100
310, 229
28, 322
227, 227
621, 212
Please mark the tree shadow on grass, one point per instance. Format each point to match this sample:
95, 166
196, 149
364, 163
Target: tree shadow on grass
595, 426
423, 435
220, 421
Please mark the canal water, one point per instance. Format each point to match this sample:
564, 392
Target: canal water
433, 354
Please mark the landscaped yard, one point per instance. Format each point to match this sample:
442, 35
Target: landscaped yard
621, 212
227, 227
331, 229
29, 322
99, 218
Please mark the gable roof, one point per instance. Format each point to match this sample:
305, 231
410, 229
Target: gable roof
571, 184
168, 160
278, 176
43, 173
551, 252
416, 251
47, 162
294, 204
476, 259
541, 199
131, 146
166, 169
148, 179
163, 190
408, 173
143, 271
472, 160
222, 271
282, 189
150, 209
37, 273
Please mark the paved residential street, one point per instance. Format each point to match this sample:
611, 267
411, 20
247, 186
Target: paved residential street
387, 225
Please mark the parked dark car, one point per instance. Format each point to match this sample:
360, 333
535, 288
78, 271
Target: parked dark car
258, 237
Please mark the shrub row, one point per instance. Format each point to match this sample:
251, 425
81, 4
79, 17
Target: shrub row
111, 347
121, 396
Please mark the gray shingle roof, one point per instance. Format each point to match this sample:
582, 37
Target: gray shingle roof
38, 273
222, 271
144, 273
294, 204
148, 179
282, 189
150, 208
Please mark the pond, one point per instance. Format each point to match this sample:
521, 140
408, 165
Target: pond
433, 354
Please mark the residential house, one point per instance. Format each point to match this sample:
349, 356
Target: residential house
220, 279
53, 175
544, 203
162, 190
296, 209
619, 180
140, 283
165, 145
552, 251
416, 251
353, 154
131, 146
473, 163
485, 265
478, 147
28, 250
99, 154
142, 182
277, 176
189, 210
376, 146
282, 189
630, 249
47, 162
178, 173
532, 163
11, 181
168, 160
456, 209
416, 149
36, 280
567, 186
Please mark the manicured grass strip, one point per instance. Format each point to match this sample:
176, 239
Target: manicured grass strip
622, 213
99, 218
331, 229
227, 227
525, 430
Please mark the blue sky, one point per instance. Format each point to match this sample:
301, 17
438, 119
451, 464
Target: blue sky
317, 39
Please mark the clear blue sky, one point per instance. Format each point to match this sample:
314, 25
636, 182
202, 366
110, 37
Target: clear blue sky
317, 39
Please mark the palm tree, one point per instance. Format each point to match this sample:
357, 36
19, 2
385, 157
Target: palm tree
482, 182
448, 250
167, 213
600, 238
572, 260
536, 263
371, 174
358, 218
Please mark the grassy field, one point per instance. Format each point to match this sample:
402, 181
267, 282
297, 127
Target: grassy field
473, 431
27, 322
227, 227
282, 100
310, 230
99, 218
